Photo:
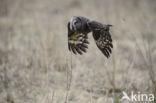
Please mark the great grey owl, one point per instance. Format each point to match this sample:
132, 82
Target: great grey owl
79, 27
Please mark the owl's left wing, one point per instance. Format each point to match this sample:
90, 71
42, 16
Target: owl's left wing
104, 42
77, 42
102, 37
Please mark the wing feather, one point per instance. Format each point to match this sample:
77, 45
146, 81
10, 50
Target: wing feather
102, 37
104, 42
77, 42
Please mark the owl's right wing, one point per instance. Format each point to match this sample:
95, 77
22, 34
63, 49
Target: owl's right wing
77, 42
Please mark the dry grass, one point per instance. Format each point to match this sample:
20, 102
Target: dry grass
36, 66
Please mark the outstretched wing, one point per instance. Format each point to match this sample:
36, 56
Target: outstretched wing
77, 42
104, 42
102, 37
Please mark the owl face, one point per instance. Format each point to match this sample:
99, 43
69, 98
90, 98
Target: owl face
75, 24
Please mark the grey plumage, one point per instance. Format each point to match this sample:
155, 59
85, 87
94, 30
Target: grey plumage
79, 27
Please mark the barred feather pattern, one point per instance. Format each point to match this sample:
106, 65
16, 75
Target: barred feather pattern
78, 43
104, 42
78, 29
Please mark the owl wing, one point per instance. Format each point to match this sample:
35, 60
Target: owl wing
77, 42
102, 37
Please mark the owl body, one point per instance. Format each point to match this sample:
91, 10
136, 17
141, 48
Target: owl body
78, 29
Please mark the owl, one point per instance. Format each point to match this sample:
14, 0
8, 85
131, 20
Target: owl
78, 29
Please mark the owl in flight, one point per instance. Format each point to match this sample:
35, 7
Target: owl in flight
78, 29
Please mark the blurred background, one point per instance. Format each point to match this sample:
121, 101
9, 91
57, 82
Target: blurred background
36, 66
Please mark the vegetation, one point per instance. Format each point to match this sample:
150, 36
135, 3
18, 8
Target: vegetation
36, 66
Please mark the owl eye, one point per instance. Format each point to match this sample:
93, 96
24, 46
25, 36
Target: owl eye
75, 22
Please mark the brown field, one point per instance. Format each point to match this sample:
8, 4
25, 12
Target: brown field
36, 66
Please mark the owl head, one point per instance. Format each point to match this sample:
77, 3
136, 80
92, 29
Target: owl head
75, 23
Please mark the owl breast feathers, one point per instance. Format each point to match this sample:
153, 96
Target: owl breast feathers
78, 29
